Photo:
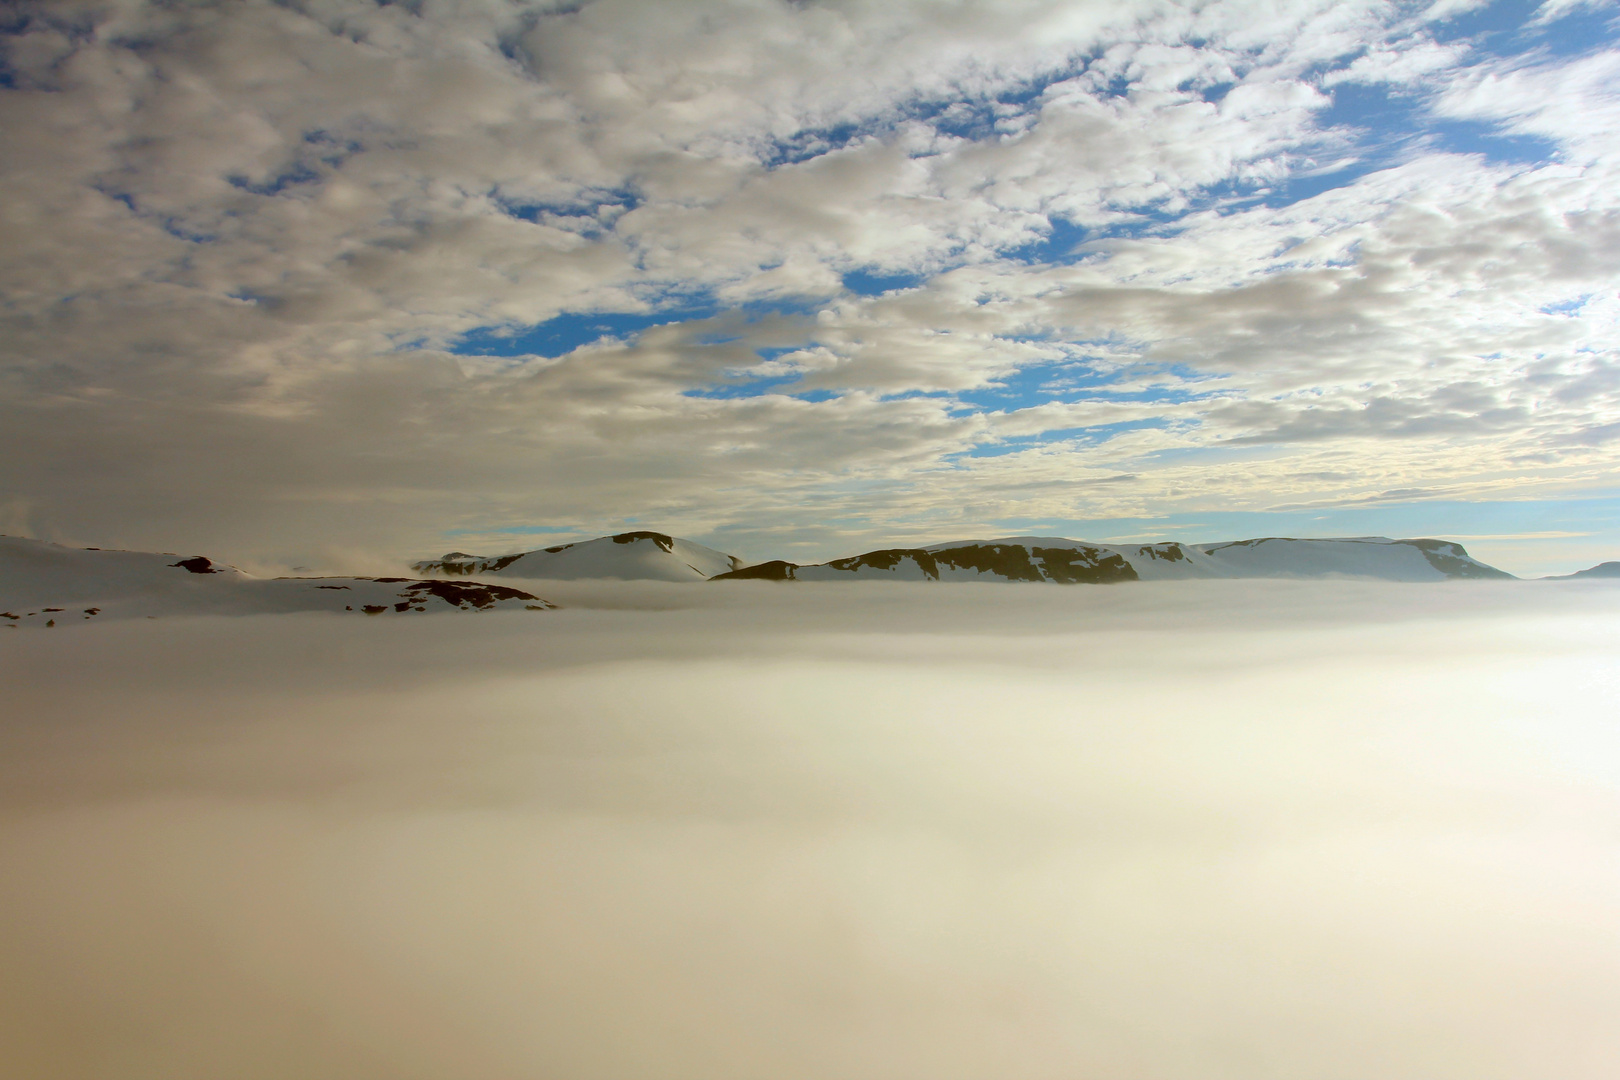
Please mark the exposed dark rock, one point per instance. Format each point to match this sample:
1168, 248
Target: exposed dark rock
662, 540
1166, 552
197, 565
1010, 561
467, 564
775, 570
457, 593
1087, 565
888, 559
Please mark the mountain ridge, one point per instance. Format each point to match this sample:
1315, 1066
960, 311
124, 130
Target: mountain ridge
647, 555
1060, 560
1601, 570
638, 555
43, 583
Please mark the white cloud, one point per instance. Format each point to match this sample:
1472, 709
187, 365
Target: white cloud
239, 238
1216, 831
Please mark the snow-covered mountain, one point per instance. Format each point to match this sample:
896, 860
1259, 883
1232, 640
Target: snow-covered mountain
1056, 559
1601, 570
647, 556
45, 584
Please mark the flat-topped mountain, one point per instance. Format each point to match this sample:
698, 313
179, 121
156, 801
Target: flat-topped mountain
643, 556
1065, 562
44, 584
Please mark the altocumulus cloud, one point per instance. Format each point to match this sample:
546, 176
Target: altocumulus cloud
375, 271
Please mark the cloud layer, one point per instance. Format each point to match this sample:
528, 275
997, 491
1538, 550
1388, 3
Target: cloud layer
1211, 832
269, 269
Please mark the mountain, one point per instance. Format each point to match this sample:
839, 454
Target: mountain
45, 584
1601, 570
646, 556
1067, 562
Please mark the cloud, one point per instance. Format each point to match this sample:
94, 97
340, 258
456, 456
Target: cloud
731, 832
244, 242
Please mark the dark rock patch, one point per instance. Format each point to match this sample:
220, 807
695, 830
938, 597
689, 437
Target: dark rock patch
457, 593
374, 609
775, 570
888, 559
667, 543
1087, 565
457, 563
196, 565
1166, 552
1010, 561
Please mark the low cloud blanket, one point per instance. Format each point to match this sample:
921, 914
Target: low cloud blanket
1209, 831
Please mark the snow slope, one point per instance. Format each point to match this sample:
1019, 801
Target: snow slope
1601, 570
647, 556
44, 584
1064, 561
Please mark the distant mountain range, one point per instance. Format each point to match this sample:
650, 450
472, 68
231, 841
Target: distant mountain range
44, 584
47, 585
651, 555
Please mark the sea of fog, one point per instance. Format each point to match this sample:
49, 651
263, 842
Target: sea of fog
1194, 831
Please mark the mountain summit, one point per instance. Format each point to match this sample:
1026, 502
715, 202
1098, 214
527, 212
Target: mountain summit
646, 556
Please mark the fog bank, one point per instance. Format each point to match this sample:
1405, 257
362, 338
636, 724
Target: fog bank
1206, 831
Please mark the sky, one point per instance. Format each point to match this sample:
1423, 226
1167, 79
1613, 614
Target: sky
332, 283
